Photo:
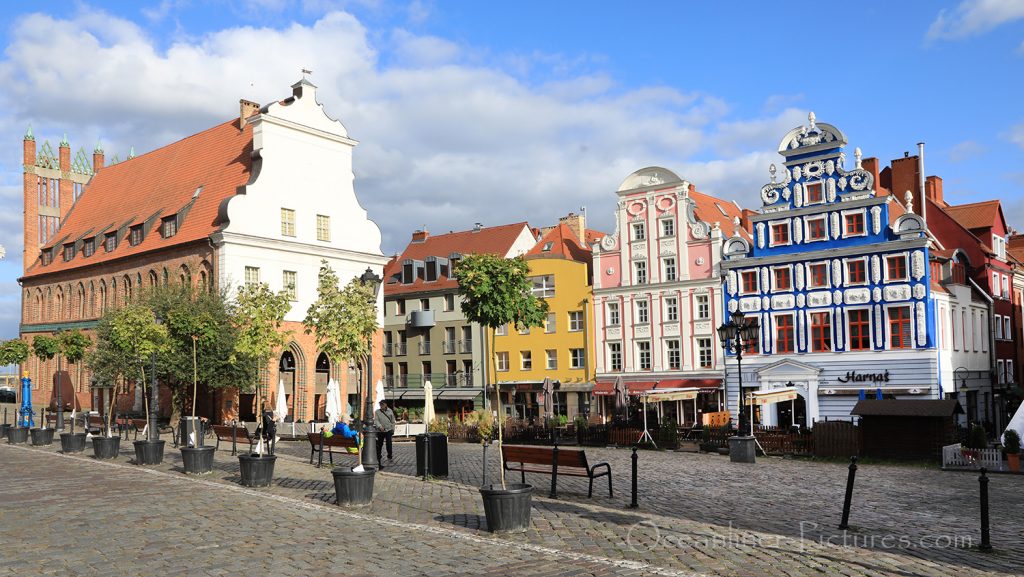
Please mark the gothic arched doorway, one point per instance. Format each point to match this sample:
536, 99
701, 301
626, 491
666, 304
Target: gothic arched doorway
323, 375
286, 369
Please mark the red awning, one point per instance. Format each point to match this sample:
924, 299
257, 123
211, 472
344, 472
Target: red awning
638, 387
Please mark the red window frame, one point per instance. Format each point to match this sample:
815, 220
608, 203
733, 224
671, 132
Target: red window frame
818, 276
780, 233
856, 271
785, 334
854, 223
821, 332
896, 266
899, 328
782, 274
860, 329
814, 192
749, 279
816, 229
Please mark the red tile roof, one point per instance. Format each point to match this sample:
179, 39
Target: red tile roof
487, 240
1015, 246
975, 215
710, 210
564, 244
154, 185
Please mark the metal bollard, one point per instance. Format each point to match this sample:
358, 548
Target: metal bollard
986, 545
426, 457
320, 457
632, 503
844, 524
554, 472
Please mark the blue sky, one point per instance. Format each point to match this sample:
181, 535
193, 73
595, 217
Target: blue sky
500, 111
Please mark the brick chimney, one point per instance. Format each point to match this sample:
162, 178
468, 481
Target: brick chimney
97, 157
933, 189
906, 176
870, 164
420, 235
577, 224
246, 108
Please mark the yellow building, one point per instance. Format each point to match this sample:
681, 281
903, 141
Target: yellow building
560, 267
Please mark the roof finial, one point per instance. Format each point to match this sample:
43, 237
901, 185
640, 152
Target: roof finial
64, 141
909, 197
28, 134
771, 171
99, 147
856, 156
131, 153
810, 118
735, 226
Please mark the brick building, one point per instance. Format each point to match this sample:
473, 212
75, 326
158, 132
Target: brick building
261, 198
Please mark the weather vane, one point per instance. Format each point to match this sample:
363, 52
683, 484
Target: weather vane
306, 72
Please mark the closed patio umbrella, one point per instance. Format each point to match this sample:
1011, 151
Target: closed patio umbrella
333, 408
621, 402
378, 394
428, 403
547, 389
281, 406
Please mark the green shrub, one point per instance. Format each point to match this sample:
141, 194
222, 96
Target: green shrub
1011, 441
977, 438
438, 425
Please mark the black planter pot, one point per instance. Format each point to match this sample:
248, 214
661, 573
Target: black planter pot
353, 489
72, 442
3, 430
197, 460
149, 452
507, 510
106, 447
17, 435
256, 470
42, 437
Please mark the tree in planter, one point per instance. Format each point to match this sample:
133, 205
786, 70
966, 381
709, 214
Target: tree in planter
495, 292
73, 346
45, 347
14, 352
1011, 444
259, 316
344, 320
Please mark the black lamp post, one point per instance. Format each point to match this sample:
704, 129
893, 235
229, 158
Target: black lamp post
962, 373
372, 280
736, 334
154, 395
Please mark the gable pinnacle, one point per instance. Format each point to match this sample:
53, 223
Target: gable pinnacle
64, 141
28, 134
99, 147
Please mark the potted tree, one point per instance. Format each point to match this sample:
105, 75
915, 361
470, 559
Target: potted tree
495, 292
73, 346
1011, 444
14, 352
344, 321
45, 348
977, 440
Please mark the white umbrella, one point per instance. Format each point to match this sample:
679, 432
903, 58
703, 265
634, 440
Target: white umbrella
378, 394
333, 408
281, 409
428, 403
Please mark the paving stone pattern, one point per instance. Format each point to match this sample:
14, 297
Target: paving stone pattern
698, 515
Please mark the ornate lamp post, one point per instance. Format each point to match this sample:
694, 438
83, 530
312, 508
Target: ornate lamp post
154, 396
735, 335
372, 280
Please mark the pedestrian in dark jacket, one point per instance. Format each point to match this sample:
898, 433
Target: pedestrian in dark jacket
384, 419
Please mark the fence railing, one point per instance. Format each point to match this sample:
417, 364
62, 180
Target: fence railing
956, 457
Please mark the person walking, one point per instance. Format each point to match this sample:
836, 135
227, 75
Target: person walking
384, 420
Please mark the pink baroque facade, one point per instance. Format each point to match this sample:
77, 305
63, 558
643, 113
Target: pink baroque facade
657, 292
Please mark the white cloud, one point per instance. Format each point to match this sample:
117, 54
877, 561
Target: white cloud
965, 150
1016, 134
973, 17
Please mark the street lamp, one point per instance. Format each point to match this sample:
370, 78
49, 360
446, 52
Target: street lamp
154, 395
735, 335
372, 280
962, 373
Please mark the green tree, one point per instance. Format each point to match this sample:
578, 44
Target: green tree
13, 352
343, 319
73, 346
259, 318
495, 292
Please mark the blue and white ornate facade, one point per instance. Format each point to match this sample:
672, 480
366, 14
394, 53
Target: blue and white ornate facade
838, 278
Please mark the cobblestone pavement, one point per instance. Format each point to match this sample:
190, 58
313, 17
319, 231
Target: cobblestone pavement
699, 514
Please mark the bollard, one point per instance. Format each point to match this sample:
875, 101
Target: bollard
273, 444
426, 457
554, 472
983, 481
234, 438
632, 503
484, 484
320, 458
844, 524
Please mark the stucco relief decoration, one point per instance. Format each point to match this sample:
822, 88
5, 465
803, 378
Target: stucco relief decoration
698, 228
819, 299
922, 333
765, 278
797, 173
733, 305
639, 251
834, 217
842, 183
837, 271
798, 230
760, 235
770, 192
799, 274
732, 282
876, 270
671, 329
782, 302
857, 296
766, 303
830, 189
610, 270
839, 336
878, 323
897, 293
665, 203
830, 167
636, 207
699, 261
917, 263
750, 304
614, 332
876, 219
667, 247
798, 194
876, 294
608, 242
642, 330
919, 291
837, 297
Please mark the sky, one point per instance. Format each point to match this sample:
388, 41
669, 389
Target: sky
496, 112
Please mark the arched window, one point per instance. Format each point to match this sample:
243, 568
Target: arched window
127, 290
80, 301
152, 278
92, 299
103, 297
59, 304
202, 280
113, 294
185, 276
166, 277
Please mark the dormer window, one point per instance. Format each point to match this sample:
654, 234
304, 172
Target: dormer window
69, 251
169, 226
135, 235
547, 246
88, 246
46, 256
110, 241
408, 272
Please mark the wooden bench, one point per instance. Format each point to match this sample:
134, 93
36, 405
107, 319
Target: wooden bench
225, 432
139, 425
328, 443
571, 462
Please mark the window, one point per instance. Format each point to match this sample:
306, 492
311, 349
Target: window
998, 326
110, 241
1006, 287
613, 314
639, 231
89, 246
814, 192
784, 334
818, 275
424, 304
501, 361
670, 269
615, 356
69, 251
287, 222
854, 223
643, 355
552, 359
169, 226
673, 354
703, 307
501, 331
79, 188
323, 227
549, 323
289, 283
816, 228
525, 360
780, 233
896, 267
135, 235
1011, 377
856, 271
668, 227
704, 353
48, 226
1000, 371
449, 302
959, 273
543, 286
252, 275
899, 328
783, 282
671, 309
752, 345
749, 281
577, 357
400, 307
821, 332
642, 313
860, 329
1007, 331
640, 270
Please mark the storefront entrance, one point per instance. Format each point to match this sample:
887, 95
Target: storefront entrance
791, 413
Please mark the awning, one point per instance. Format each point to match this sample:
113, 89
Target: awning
671, 395
776, 396
642, 387
441, 394
607, 388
